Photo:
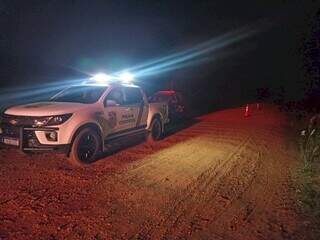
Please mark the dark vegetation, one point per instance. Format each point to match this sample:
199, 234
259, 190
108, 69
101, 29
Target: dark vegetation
306, 112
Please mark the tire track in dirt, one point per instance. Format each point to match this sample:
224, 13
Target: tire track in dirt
186, 198
267, 198
180, 155
250, 217
215, 197
240, 209
136, 187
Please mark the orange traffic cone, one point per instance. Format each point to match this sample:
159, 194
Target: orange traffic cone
246, 113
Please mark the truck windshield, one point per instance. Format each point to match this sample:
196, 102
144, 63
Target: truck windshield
80, 94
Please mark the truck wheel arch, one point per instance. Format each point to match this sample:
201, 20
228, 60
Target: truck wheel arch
157, 115
87, 125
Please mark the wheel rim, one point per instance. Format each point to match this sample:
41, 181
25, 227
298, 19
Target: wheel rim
156, 130
87, 148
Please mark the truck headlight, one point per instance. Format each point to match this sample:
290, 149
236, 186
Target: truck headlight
51, 120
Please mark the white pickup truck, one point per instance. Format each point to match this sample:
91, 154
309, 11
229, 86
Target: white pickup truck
81, 120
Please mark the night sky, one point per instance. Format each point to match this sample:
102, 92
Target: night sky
50, 41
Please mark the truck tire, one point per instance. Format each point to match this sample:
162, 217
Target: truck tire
155, 133
86, 147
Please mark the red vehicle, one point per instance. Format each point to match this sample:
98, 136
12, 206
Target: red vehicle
175, 101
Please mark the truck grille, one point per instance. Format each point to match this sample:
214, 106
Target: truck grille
10, 131
29, 138
17, 120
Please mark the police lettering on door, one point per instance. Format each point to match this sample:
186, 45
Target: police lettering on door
127, 118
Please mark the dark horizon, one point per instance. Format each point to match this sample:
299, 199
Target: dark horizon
52, 41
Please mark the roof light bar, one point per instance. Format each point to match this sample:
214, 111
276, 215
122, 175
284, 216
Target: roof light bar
126, 77
101, 78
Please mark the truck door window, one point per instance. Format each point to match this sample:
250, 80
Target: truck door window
116, 96
133, 96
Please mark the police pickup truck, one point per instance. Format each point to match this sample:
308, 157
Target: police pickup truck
82, 120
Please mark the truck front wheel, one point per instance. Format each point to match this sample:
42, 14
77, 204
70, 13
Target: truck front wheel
86, 147
155, 132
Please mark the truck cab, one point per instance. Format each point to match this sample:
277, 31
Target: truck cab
81, 120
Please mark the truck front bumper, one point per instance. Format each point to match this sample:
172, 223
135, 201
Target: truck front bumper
25, 139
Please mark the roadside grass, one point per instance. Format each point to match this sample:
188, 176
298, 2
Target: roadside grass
308, 190
307, 180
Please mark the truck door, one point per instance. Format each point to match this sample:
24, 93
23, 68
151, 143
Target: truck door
114, 110
136, 106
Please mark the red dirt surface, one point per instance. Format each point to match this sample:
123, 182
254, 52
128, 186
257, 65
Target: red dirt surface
224, 177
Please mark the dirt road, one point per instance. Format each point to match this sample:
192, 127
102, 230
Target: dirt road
223, 177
